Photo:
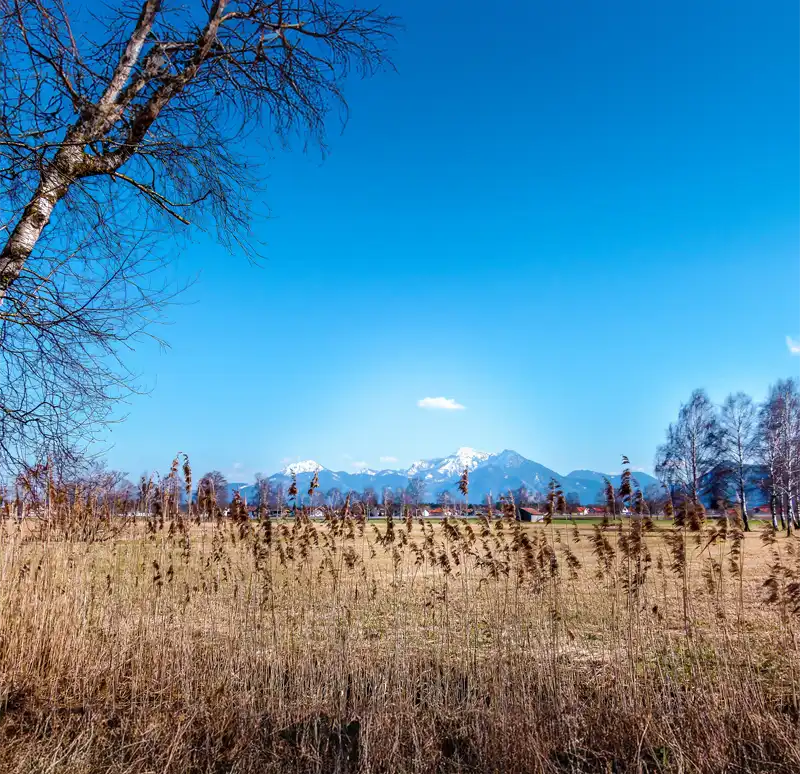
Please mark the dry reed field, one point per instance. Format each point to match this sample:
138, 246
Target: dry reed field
399, 645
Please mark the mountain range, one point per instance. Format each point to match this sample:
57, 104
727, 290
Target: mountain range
489, 474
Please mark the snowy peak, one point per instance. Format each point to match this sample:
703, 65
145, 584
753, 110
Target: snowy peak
471, 456
421, 466
306, 466
465, 457
446, 467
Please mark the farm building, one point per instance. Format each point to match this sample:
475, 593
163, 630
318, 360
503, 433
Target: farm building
524, 513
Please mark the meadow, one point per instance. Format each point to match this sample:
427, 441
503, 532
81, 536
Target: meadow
132, 644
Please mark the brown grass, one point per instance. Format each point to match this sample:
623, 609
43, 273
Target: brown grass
397, 647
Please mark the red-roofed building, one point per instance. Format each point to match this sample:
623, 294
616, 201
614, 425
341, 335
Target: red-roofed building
525, 513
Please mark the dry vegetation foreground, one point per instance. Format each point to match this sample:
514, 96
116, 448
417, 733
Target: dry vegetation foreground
398, 647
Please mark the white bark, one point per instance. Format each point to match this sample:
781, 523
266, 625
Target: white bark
71, 163
54, 183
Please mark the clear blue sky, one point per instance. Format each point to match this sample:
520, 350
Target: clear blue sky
564, 216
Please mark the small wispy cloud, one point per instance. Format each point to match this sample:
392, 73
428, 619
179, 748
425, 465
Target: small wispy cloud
388, 459
794, 346
237, 471
444, 404
359, 465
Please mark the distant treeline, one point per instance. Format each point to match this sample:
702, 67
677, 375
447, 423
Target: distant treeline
737, 455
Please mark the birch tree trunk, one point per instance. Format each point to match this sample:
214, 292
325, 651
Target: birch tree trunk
743, 502
54, 183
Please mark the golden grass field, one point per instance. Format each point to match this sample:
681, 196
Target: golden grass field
399, 646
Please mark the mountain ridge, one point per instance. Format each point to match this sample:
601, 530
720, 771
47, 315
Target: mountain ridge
490, 474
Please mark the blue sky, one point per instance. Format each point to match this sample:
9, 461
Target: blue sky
562, 216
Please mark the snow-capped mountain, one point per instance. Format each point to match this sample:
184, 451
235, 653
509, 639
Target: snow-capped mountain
306, 466
464, 458
489, 474
422, 466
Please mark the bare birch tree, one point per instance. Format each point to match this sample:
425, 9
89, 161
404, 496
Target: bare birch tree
121, 127
780, 447
692, 447
737, 424
768, 453
263, 493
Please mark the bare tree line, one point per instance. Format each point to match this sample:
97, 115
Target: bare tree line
721, 453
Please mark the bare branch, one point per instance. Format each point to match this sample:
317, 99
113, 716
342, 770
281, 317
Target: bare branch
157, 98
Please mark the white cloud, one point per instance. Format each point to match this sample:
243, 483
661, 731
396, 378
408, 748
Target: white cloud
388, 459
446, 404
359, 465
238, 471
794, 346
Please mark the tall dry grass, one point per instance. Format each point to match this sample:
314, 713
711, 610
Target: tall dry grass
402, 646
